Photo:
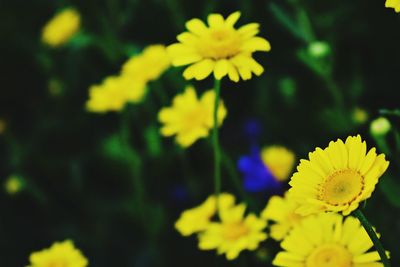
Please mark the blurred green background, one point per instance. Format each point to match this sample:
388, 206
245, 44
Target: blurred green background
80, 180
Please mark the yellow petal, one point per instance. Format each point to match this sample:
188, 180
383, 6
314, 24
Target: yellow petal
199, 70
221, 69
256, 44
233, 73
196, 26
232, 18
215, 20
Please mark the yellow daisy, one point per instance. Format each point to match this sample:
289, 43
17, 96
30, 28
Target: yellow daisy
234, 233
114, 93
327, 240
59, 254
337, 178
281, 210
190, 118
218, 48
197, 219
61, 28
279, 160
395, 4
148, 65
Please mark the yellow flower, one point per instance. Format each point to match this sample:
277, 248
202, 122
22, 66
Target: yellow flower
197, 219
114, 92
219, 48
326, 240
234, 233
190, 118
61, 28
59, 254
279, 161
281, 210
14, 184
149, 65
395, 4
337, 178
359, 115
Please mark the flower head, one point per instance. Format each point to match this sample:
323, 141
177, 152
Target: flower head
359, 115
266, 169
327, 240
219, 48
14, 184
281, 210
279, 161
61, 27
190, 118
198, 218
59, 254
395, 4
380, 126
337, 178
149, 65
234, 233
114, 92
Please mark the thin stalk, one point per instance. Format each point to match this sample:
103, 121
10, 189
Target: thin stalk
372, 234
236, 180
215, 139
135, 163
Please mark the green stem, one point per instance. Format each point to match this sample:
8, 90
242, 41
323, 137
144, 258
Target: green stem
215, 138
372, 234
134, 161
231, 169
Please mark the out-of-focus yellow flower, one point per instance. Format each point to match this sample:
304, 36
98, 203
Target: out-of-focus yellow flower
59, 254
13, 184
395, 4
61, 27
327, 240
130, 86
114, 92
337, 178
360, 115
281, 210
190, 118
3, 126
279, 160
149, 65
198, 218
219, 48
234, 233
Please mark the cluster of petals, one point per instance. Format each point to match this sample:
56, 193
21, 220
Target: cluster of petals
219, 48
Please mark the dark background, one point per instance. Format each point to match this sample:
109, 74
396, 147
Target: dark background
80, 185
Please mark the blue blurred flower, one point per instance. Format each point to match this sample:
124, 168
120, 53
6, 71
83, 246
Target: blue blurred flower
257, 177
266, 169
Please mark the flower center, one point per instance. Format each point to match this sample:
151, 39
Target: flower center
234, 231
329, 255
342, 187
220, 43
